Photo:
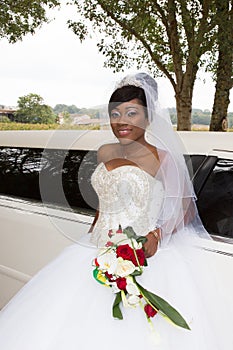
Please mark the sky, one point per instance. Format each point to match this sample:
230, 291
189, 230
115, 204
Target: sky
55, 65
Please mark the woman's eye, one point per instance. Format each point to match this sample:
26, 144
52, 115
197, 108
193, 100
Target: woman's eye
131, 113
115, 115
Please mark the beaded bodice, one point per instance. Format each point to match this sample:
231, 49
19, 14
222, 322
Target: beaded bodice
128, 196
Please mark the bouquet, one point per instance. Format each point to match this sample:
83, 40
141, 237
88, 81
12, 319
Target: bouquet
117, 266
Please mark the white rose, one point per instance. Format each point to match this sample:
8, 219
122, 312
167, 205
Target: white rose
107, 261
131, 287
133, 300
124, 267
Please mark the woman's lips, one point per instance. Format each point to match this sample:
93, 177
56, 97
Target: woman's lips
124, 132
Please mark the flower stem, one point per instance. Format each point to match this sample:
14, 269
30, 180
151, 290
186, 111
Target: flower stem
136, 257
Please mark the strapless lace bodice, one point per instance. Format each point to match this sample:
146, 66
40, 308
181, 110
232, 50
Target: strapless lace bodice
128, 196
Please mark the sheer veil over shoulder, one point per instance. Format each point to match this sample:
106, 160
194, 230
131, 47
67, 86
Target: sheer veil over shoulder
179, 209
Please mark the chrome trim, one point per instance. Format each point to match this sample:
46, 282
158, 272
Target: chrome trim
222, 150
222, 239
217, 251
45, 214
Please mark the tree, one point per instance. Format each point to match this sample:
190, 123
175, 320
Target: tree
224, 80
60, 108
19, 17
31, 109
171, 35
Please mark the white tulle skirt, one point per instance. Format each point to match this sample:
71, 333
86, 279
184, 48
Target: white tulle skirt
64, 308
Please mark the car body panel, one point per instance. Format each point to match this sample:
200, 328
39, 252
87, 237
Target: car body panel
31, 235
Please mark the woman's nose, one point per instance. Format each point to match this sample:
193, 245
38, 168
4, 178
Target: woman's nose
123, 119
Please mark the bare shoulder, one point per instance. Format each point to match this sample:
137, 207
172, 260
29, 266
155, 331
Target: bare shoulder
107, 152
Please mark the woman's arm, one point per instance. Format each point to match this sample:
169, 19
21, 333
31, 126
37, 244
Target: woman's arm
100, 158
151, 245
94, 221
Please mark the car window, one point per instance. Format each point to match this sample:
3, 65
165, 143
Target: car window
193, 162
22, 170
215, 202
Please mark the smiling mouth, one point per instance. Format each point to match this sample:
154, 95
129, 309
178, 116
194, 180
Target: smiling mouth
124, 132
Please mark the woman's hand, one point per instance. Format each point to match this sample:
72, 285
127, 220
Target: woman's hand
151, 245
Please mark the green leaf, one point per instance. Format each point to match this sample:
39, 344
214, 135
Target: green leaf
163, 306
141, 239
116, 311
136, 273
95, 275
129, 232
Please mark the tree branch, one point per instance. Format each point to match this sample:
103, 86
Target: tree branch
175, 40
123, 24
187, 23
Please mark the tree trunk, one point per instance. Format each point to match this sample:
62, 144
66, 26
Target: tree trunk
184, 111
184, 94
221, 102
224, 69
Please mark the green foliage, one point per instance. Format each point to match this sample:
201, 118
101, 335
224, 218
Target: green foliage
31, 109
19, 17
164, 307
61, 108
66, 116
224, 36
167, 37
27, 126
64, 109
199, 117
116, 310
161, 35
4, 119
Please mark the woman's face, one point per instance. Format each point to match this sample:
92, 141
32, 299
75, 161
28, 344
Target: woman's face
128, 121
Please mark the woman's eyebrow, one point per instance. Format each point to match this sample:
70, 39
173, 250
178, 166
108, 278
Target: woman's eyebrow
131, 107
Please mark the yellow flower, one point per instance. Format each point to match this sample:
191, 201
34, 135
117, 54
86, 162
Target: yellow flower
101, 278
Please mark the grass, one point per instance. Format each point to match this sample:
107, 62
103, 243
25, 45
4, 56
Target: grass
24, 126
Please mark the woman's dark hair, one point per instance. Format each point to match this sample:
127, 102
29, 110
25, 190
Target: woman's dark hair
125, 94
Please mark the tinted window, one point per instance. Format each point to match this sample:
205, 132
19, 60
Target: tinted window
22, 170
215, 202
193, 162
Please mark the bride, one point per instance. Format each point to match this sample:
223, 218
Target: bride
141, 181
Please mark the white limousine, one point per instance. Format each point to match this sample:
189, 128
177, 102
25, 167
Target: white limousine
46, 199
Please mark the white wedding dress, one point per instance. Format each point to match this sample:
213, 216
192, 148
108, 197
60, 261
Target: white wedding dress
64, 308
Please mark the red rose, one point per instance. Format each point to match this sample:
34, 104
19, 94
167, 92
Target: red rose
121, 283
109, 277
141, 257
149, 310
125, 252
